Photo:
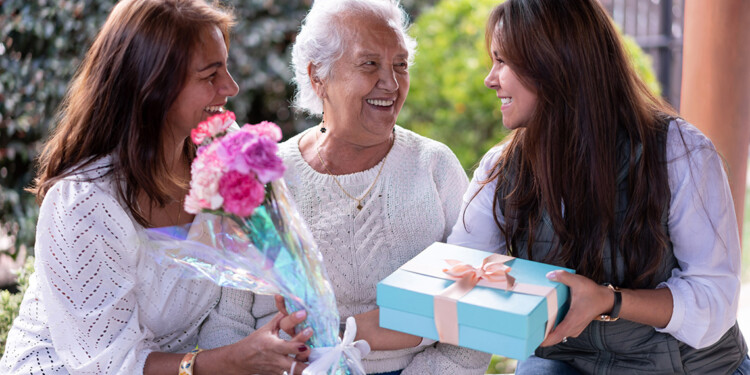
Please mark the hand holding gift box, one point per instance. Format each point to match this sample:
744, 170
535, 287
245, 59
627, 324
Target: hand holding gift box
475, 299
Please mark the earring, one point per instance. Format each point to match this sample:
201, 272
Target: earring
323, 123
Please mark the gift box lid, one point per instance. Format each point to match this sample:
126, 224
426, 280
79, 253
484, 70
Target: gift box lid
495, 310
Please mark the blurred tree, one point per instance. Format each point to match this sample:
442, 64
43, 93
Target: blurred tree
447, 99
41, 44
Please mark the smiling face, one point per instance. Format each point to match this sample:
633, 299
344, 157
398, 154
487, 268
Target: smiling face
368, 84
518, 102
206, 87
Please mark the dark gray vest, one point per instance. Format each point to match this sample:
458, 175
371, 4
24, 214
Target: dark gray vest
625, 347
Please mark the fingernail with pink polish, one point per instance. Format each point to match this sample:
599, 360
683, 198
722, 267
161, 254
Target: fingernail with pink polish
552, 275
307, 331
300, 314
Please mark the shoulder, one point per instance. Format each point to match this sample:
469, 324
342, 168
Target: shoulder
413, 146
488, 161
87, 195
690, 154
684, 138
95, 179
290, 146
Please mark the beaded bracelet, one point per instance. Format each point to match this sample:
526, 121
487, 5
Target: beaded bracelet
186, 366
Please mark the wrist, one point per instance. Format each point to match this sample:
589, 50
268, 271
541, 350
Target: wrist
187, 365
613, 305
223, 360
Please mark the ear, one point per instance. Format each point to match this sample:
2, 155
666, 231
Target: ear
317, 84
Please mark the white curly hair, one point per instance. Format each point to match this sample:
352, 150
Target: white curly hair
321, 41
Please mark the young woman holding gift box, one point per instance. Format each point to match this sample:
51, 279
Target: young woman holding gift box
600, 176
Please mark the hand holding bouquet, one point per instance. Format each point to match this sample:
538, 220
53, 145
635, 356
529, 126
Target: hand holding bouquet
256, 241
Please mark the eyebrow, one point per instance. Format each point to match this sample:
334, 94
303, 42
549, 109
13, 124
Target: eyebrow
371, 55
217, 64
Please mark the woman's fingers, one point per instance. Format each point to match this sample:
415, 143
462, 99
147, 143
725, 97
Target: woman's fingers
275, 324
288, 322
295, 367
280, 304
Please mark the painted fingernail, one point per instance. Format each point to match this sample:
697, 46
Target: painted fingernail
300, 314
307, 331
552, 275
302, 348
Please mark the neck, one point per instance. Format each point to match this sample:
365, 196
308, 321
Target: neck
340, 154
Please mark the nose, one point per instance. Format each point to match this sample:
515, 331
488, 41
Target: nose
491, 80
388, 80
229, 87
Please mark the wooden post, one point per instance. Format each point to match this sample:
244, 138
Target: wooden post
716, 82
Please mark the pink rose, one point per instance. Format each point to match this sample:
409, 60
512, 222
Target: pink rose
241, 192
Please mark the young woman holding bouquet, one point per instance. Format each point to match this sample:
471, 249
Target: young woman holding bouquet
374, 194
118, 163
599, 176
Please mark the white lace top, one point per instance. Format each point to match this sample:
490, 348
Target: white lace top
97, 303
414, 203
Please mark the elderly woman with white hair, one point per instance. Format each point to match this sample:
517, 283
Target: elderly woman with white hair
373, 193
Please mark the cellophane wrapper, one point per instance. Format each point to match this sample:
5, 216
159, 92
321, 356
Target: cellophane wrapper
270, 251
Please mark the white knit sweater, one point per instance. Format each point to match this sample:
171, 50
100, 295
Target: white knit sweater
97, 302
414, 203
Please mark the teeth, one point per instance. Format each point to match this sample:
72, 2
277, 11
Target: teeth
506, 100
214, 109
380, 103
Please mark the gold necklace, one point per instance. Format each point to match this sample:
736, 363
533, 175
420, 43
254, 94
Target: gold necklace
181, 208
359, 200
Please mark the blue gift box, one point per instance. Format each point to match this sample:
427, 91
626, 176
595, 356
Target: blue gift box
492, 320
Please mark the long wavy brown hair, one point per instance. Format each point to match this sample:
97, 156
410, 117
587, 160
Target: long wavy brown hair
118, 100
566, 157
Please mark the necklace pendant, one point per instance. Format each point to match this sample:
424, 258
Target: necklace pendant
359, 206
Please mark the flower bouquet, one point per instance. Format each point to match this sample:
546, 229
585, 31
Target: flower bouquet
254, 238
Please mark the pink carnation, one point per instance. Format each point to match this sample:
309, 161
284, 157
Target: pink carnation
212, 127
199, 134
265, 129
204, 183
218, 124
241, 192
248, 153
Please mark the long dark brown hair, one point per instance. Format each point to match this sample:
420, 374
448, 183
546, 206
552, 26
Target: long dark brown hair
566, 157
118, 100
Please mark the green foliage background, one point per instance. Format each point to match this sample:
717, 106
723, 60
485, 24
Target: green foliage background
10, 303
447, 99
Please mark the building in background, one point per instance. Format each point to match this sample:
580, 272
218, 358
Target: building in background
657, 26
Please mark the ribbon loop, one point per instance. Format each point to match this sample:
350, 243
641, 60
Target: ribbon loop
493, 271
327, 358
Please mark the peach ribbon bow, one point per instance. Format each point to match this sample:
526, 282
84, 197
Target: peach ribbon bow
494, 273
